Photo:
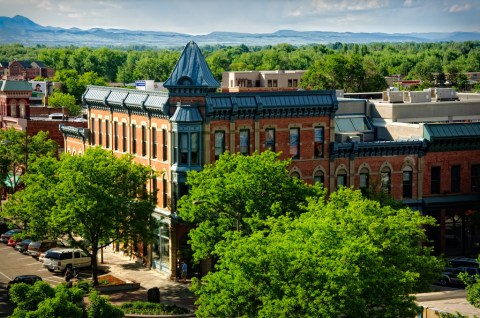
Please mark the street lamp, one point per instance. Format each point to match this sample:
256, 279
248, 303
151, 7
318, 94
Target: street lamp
235, 215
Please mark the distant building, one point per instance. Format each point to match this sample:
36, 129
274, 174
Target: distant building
26, 70
16, 111
251, 81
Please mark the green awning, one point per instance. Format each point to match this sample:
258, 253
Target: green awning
452, 200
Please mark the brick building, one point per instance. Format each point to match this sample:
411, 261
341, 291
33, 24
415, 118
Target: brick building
336, 141
26, 70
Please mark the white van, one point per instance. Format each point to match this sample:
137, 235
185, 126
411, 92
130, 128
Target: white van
61, 259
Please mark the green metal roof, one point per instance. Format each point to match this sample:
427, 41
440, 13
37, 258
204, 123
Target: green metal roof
455, 136
186, 113
15, 86
454, 130
191, 71
131, 99
271, 104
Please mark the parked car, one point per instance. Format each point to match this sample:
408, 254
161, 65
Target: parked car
12, 241
61, 259
450, 275
27, 279
462, 262
23, 245
7, 235
41, 257
35, 248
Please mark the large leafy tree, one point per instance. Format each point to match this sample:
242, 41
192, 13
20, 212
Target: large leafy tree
18, 151
346, 257
101, 198
238, 193
59, 99
93, 199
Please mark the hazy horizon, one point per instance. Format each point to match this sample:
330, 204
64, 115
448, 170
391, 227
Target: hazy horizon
196, 17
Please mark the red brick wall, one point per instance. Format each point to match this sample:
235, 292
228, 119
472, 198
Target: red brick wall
34, 126
445, 160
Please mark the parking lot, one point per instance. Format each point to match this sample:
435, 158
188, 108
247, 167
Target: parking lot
14, 263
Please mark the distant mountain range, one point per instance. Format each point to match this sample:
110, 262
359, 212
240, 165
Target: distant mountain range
22, 30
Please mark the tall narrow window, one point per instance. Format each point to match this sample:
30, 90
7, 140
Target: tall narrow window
144, 141
183, 148
364, 180
245, 141
342, 178
100, 132
435, 180
455, 179
154, 142
164, 192
386, 175
92, 135
270, 139
134, 139
407, 183
194, 148
319, 141
475, 178
319, 177
164, 145
107, 135
175, 147
115, 134
295, 143
219, 143
124, 137
154, 189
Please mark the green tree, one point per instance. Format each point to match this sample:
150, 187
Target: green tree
32, 206
43, 301
101, 198
346, 257
238, 193
101, 307
59, 99
18, 150
473, 287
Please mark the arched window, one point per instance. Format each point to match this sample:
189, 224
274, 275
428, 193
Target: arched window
407, 182
295, 174
364, 183
342, 178
319, 177
386, 175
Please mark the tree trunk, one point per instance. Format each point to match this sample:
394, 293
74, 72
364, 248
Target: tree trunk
94, 264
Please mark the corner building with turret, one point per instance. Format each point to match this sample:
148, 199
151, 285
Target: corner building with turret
336, 141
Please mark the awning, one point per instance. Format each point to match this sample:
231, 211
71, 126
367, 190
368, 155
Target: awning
452, 200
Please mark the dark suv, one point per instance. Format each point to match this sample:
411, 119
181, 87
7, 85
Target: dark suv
450, 275
27, 279
462, 262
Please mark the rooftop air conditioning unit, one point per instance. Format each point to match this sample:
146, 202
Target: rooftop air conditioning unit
445, 94
417, 97
392, 97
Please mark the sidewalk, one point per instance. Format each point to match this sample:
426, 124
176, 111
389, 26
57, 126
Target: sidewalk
122, 267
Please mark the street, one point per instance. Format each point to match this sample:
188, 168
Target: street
12, 264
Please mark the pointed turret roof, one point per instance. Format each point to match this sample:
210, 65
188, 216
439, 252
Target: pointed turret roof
191, 72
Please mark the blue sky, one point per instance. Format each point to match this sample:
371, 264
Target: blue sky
253, 16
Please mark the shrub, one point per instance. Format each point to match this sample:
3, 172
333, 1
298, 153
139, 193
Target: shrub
100, 307
149, 308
